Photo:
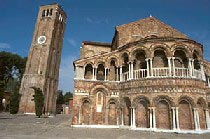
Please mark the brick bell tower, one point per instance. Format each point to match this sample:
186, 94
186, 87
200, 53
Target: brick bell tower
42, 67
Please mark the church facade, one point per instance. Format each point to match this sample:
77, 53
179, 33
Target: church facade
151, 77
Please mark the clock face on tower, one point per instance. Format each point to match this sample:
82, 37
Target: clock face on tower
41, 39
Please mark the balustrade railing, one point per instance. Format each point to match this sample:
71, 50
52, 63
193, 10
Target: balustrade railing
181, 72
161, 72
140, 73
125, 76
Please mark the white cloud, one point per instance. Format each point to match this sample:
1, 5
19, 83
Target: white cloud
66, 74
89, 20
72, 42
97, 21
4, 46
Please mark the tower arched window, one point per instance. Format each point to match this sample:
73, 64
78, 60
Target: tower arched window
180, 59
43, 13
196, 61
112, 74
48, 12
51, 10
99, 101
101, 72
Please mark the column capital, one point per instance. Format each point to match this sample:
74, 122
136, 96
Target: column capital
195, 108
190, 59
151, 107
169, 58
173, 108
206, 109
173, 58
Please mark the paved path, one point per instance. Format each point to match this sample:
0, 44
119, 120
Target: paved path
30, 127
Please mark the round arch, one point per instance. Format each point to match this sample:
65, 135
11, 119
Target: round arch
186, 104
138, 99
163, 106
160, 46
96, 88
121, 58
141, 104
113, 57
140, 48
187, 99
180, 46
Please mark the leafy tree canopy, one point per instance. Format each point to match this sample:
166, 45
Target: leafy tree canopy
12, 67
67, 96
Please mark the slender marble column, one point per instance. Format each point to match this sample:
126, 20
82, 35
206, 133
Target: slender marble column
117, 76
134, 118
169, 65
150, 118
198, 120
195, 118
95, 73
148, 72
151, 66
207, 118
190, 66
202, 72
154, 118
173, 68
129, 71
177, 117
121, 73
131, 77
193, 71
173, 117
131, 117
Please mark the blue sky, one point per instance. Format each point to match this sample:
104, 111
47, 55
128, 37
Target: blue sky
94, 20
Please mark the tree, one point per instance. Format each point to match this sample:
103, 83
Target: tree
14, 102
60, 98
38, 100
12, 67
67, 96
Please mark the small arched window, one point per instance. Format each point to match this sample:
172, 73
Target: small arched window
51, 10
99, 98
43, 13
48, 12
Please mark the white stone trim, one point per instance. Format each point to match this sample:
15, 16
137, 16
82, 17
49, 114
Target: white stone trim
30, 113
142, 129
